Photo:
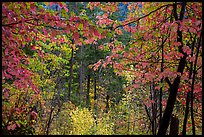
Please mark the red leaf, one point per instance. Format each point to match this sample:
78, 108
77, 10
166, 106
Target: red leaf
11, 127
62, 40
152, 101
105, 15
100, 47
60, 4
8, 127
136, 86
108, 58
33, 48
187, 50
116, 56
7, 75
179, 90
33, 113
144, 64
29, 39
6, 51
119, 32
66, 9
157, 87
44, 31
95, 32
51, 3
38, 53
33, 7
76, 36
6, 94
183, 102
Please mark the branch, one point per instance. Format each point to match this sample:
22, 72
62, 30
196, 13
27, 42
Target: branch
182, 10
144, 15
14, 23
167, 80
148, 114
142, 61
175, 11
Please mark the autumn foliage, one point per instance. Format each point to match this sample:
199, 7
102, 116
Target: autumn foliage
162, 56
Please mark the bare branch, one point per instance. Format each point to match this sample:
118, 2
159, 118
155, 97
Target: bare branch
145, 15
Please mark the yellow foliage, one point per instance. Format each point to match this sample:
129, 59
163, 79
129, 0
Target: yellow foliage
82, 121
104, 126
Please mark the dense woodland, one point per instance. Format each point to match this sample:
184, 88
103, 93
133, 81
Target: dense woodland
102, 68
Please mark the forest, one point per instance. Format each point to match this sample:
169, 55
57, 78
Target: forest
102, 68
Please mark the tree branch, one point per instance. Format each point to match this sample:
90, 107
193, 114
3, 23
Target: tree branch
145, 15
14, 23
168, 81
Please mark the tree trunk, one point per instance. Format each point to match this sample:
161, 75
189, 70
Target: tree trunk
155, 111
81, 75
160, 93
174, 87
107, 99
192, 85
49, 121
71, 74
95, 98
151, 98
186, 114
87, 93
174, 126
188, 95
129, 97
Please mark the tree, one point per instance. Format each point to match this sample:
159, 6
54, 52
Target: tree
25, 32
170, 30
147, 61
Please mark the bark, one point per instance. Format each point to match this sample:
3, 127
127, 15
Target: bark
155, 113
107, 104
49, 121
188, 95
148, 115
71, 74
192, 86
186, 114
107, 98
58, 87
95, 98
151, 98
88, 90
129, 111
174, 126
154, 109
174, 87
81, 75
95, 93
160, 93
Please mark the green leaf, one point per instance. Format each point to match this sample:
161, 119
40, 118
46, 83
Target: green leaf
61, 95
109, 35
64, 13
72, 13
81, 26
113, 8
100, 30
